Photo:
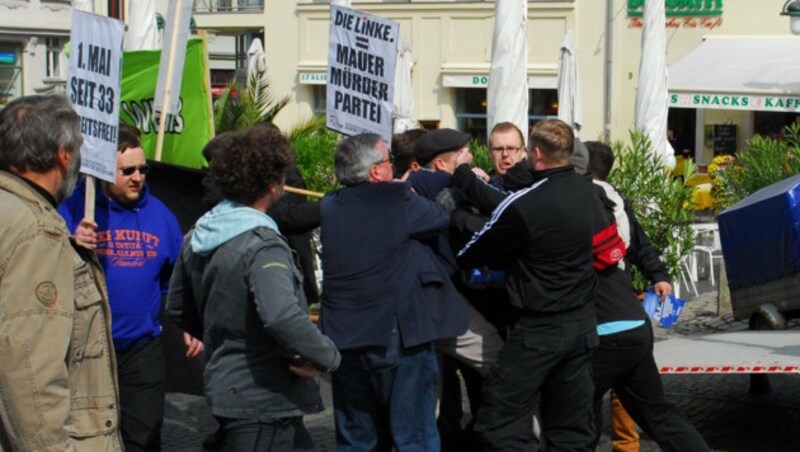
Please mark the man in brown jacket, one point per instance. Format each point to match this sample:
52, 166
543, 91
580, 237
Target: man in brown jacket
58, 389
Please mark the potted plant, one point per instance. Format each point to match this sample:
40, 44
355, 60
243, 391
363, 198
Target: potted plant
662, 203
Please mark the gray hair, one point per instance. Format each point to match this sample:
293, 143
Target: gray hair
355, 156
33, 129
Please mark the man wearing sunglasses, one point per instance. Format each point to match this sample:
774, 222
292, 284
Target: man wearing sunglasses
137, 240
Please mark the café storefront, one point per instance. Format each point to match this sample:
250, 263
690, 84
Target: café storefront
736, 87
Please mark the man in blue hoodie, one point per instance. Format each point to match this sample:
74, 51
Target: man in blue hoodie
137, 240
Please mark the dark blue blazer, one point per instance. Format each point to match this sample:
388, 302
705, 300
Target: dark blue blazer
375, 270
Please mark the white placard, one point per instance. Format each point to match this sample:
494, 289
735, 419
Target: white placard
95, 61
361, 68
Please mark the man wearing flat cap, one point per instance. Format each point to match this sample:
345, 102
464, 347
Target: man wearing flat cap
438, 153
439, 149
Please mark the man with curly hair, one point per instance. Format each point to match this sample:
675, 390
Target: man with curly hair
236, 286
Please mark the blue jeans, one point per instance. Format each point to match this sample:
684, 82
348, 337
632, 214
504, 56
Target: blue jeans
385, 397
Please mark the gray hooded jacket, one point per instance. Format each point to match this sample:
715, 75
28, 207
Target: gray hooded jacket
236, 286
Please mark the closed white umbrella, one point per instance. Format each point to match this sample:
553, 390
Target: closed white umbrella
570, 109
142, 33
652, 101
403, 89
256, 59
507, 98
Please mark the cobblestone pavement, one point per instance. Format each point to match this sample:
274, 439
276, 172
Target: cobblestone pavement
720, 406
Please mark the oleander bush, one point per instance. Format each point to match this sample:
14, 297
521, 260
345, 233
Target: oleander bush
662, 203
314, 156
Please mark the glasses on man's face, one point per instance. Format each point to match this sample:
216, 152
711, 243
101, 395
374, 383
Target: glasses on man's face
507, 149
389, 159
129, 170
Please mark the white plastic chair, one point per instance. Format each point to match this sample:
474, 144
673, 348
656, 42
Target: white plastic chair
686, 275
707, 246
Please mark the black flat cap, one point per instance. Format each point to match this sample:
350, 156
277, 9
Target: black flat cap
438, 142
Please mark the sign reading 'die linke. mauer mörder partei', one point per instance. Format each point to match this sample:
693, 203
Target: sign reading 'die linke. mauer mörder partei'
93, 88
361, 61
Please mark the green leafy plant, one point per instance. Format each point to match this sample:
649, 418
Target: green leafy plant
314, 155
480, 155
662, 203
241, 107
763, 162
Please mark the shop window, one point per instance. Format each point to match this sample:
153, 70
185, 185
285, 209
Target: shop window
55, 57
471, 109
222, 77
319, 95
772, 124
10, 73
681, 130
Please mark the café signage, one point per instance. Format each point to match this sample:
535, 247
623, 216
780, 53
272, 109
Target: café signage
753, 102
680, 7
313, 78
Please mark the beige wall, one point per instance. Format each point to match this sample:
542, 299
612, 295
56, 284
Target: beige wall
452, 37
446, 38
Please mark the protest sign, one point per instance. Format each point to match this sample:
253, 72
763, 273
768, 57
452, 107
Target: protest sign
361, 70
189, 128
93, 89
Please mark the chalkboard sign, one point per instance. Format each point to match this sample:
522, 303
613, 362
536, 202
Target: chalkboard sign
725, 136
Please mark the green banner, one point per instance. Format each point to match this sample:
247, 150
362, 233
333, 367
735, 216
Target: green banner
190, 128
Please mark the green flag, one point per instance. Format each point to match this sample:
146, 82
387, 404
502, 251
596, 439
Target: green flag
190, 129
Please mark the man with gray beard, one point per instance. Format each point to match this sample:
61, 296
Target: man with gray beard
58, 380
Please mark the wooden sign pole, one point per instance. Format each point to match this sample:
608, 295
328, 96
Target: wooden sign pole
89, 199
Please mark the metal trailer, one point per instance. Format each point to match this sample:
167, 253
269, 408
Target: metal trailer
760, 238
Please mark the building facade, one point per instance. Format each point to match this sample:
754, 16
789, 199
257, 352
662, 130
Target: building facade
32, 38
451, 42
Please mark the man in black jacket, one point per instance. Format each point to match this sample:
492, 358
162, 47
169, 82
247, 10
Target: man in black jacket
544, 234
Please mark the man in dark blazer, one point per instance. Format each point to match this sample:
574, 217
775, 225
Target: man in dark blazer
385, 300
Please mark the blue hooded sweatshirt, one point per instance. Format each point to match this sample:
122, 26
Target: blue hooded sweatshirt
137, 245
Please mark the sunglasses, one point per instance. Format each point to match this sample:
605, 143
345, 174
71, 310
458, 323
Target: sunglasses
129, 170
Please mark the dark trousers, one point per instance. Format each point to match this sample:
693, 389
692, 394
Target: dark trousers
624, 362
141, 392
453, 437
248, 435
550, 363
